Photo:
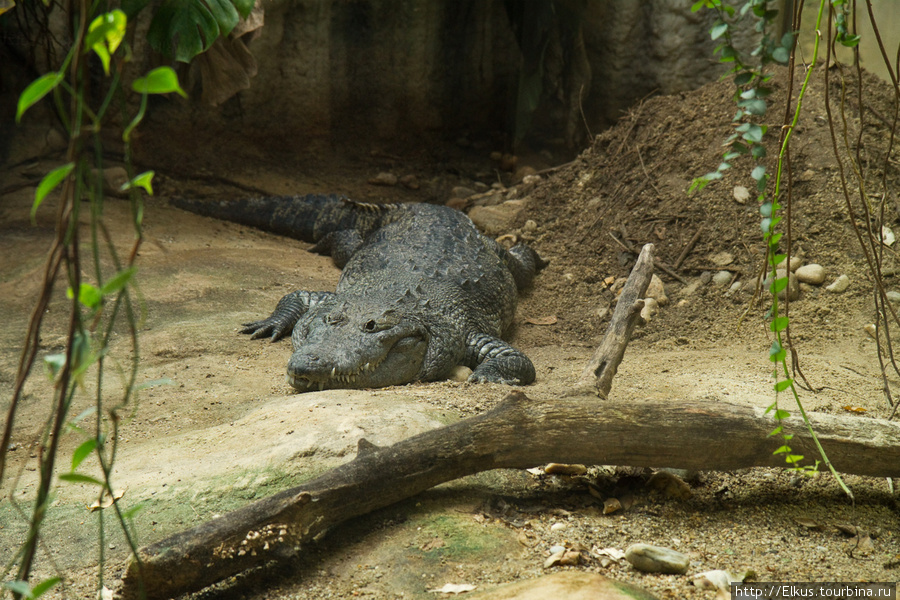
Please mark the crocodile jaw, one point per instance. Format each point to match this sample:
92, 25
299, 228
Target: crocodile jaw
388, 362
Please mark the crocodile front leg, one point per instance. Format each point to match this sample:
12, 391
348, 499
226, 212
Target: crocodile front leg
494, 361
287, 312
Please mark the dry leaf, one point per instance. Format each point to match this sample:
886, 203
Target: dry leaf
527, 538
554, 558
613, 553
548, 320
611, 505
453, 588
107, 500
856, 409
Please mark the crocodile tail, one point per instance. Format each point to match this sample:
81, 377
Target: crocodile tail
524, 263
308, 218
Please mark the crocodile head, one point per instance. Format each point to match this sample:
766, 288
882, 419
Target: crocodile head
356, 345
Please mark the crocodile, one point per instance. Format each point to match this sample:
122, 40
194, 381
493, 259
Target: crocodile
421, 292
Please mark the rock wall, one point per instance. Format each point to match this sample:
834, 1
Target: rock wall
390, 68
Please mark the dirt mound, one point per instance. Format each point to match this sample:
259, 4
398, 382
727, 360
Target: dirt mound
632, 184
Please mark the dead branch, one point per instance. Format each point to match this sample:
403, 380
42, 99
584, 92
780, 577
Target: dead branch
597, 376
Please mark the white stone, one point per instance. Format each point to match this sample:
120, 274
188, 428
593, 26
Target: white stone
741, 194
840, 285
651, 308
722, 278
813, 274
657, 290
796, 262
656, 559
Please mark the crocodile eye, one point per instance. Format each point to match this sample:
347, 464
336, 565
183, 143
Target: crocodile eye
370, 325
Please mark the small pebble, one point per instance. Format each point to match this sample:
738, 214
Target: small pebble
656, 559
840, 285
384, 178
530, 226
657, 290
812, 274
872, 331
557, 548
651, 308
461, 191
460, 373
722, 278
558, 527
410, 182
741, 194
796, 262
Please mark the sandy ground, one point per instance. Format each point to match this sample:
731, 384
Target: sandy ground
224, 428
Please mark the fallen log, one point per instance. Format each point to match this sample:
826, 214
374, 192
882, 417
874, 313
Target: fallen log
518, 433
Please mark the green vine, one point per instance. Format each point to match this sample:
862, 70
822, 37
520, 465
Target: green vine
101, 290
750, 96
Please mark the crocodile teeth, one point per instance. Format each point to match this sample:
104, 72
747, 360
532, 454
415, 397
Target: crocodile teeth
333, 369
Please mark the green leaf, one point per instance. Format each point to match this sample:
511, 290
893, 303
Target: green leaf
161, 80
781, 55
758, 151
766, 209
83, 451
182, 29
778, 285
44, 586
776, 354
718, 30
783, 450
781, 414
48, 184
244, 7
779, 324
754, 134
783, 385
776, 431
19, 587
118, 281
850, 41
53, 364
88, 295
793, 458
80, 478
105, 34
743, 78
225, 13
143, 180
36, 90
754, 106
758, 172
